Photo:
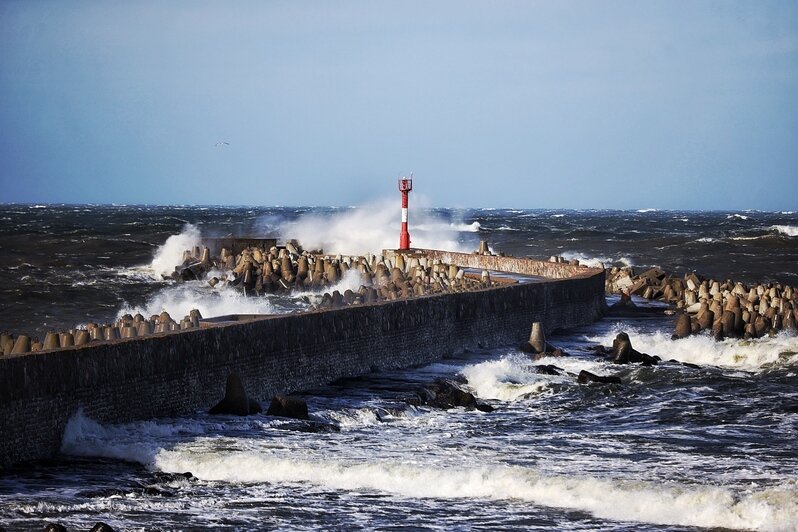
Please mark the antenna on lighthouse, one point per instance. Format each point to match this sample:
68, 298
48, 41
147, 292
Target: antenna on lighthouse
405, 186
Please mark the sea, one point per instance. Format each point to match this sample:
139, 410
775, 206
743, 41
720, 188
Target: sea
712, 445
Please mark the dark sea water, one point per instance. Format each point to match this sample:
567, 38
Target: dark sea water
673, 448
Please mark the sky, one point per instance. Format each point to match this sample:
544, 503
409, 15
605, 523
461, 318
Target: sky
555, 104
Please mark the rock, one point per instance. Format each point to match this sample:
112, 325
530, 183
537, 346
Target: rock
447, 394
54, 527
683, 327
547, 369
103, 527
623, 352
235, 400
586, 377
621, 349
292, 407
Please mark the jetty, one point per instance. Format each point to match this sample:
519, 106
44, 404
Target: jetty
181, 369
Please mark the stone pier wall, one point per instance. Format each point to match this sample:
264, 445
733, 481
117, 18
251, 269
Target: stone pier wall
180, 373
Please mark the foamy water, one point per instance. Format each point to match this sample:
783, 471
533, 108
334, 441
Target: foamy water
789, 230
373, 227
748, 355
672, 447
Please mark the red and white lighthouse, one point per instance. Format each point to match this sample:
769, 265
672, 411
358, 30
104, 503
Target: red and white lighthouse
405, 186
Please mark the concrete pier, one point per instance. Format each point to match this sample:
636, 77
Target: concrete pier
178, 373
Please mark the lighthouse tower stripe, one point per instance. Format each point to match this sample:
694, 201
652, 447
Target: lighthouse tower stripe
404, 214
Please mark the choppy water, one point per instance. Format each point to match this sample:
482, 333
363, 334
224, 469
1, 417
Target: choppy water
673, 448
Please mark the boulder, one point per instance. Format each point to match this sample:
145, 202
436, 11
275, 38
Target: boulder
291, 407
447, 394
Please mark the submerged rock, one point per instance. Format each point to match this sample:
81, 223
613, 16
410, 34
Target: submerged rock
586, 377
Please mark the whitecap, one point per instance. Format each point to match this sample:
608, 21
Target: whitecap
170, 254
745, 355
789, 230
672, 503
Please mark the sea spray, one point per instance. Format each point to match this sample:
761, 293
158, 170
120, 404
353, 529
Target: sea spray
787, 230
747, 355
170, 254
178, 300
375, 226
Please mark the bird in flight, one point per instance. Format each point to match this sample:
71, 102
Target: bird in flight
222, 143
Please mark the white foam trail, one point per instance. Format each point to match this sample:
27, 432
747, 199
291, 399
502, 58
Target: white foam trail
747, 355
179, 300
597, 262
655, 502
138, 442
789, 230
506, 379
373, 227
170, 254
514, 377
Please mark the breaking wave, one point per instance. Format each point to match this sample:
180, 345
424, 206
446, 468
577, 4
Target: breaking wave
773, 508
178, 300
597, 262
373, 227
170, 254
789, 230
748, 355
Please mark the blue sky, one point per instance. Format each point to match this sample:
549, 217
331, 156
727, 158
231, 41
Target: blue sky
683, 105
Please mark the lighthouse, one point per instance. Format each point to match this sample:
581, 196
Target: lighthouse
405, 186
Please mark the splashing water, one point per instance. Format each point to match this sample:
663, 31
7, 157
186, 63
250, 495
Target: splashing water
170, 254
373, 227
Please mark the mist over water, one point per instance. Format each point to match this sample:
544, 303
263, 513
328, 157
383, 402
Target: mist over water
672, 448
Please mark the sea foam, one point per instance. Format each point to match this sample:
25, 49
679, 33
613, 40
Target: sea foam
170, 254
671, 503
789, 230
375, 226
748, 355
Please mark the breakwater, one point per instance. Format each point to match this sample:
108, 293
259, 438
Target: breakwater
175, 373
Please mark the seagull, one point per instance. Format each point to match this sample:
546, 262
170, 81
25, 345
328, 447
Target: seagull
222, 143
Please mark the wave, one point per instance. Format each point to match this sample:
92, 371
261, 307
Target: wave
747, 355
170, 254
774, 508
373, 227
597, 262
789, 230
179, 300
507, 379
514, 376
647, 210
736, 216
